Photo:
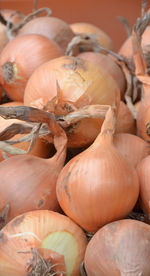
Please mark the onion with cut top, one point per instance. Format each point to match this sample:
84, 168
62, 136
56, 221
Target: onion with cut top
41, 243
20, 58
119, 248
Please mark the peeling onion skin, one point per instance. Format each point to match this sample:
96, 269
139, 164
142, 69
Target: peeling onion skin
20, 58
121, 248
38, 225
143, 171
53, 28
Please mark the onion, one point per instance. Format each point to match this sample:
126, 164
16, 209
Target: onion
103, 39
53, 28
125, 120
20, 58
28, 182
119, 248
41, 241
98, 185
109, 65
14, 19
81, 83
131, 147
41, 147
143, 116
144, 176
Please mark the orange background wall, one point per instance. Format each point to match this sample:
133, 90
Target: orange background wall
102, 13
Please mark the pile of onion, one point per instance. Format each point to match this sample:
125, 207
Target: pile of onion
16, 18
41, 243
20, 58
81, 83
51, 27
98, 185
41, 147
29, 182
83, 27
119, 248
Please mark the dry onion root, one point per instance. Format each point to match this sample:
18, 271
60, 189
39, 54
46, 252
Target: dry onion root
119, 248
28, 182
93, 188
43, 243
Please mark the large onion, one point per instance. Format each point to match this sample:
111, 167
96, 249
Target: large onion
81, 83
119, 248
98, 185
39, 242
20, 58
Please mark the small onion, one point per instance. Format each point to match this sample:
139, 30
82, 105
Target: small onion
144, 176
41, 241
103, 39
81, 83
125, 120
131, 147
28, 182
109, 65
14, 19
98, 185
53, 28
119, 248
41, 147
20, 58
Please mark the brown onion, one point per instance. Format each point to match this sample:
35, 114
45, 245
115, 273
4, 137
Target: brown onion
41, 147
43, 243
119, 248
144, 176
109, 65
53, 28
81, 83
20, 58
125, 120
131, 147
16, 18
28, 182
103, 39
98, 185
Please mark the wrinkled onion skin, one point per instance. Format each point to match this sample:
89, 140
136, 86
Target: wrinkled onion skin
119, 248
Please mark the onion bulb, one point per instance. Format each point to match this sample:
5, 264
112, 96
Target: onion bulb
125, 120
103, 39
20, 58
16, 18
108, 63
119, 248
28, 182
144, 175
98, 185
41, 147
43, 243
81, 83
53, 28
131, 147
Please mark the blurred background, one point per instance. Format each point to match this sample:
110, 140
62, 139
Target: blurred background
102, 13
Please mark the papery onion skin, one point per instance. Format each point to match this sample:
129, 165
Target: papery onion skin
34, 224
143, 115
53, 28
143, 171
98, 185
20, 58
83, 27
110, 65
119, 248
41, 148
14, 19
125, 120
81, 82
131, 147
